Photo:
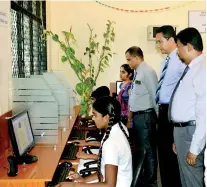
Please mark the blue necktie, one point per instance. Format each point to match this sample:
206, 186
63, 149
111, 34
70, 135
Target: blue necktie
161, 79
171, 99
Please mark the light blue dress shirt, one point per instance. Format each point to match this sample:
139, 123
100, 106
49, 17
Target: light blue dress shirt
174, 72
143, 89
189, 102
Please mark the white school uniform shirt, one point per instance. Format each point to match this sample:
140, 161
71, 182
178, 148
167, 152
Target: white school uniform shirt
205, 164
189, 102
116, 151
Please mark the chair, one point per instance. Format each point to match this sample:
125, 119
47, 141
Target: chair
137, 171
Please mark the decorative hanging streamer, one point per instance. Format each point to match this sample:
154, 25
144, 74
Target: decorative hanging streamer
144, 11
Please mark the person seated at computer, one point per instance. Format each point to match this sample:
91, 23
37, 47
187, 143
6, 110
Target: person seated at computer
101, 91
126, 75
115, 158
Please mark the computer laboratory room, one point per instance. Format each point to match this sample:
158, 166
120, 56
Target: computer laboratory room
102, 93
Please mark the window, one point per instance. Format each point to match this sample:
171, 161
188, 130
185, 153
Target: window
28, 20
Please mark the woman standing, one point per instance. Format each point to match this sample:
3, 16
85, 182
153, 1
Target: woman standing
126, 75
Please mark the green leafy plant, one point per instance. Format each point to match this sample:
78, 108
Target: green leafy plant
98, 59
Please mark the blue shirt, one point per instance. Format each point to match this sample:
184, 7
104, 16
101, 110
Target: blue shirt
189, 102
174, 72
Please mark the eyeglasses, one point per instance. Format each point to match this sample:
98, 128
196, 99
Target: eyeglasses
159, 42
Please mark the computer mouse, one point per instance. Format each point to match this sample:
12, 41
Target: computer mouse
66, 164
76, 143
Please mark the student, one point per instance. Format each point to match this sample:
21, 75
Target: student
115, 159
187, 109
102, 91
126, 75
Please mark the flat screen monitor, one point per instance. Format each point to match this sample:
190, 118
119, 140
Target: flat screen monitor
118, 83
21, 135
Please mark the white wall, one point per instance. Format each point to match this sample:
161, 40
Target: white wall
130, 29
5, 59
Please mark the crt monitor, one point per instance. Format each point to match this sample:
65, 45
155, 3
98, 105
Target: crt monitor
118, 83
22, 138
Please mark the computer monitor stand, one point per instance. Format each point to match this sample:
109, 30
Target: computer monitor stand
27, 159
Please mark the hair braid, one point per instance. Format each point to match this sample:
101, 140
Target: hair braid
122, 128
107, 133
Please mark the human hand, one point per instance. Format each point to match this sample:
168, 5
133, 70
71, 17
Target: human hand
191, 159
75, 177
174, 148
80, 143
82, 155
65, 184
128, 124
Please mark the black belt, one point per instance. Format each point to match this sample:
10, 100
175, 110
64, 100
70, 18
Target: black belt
143, 111
184, 124
163, 106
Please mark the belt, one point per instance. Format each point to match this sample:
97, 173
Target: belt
184, 124
163, 106
143, 111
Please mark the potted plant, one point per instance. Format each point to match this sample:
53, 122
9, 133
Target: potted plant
87, 73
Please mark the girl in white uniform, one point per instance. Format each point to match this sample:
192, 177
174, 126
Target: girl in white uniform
115, 159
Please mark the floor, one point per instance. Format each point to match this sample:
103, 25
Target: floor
158, 178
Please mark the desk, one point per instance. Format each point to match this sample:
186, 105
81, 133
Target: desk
36, 174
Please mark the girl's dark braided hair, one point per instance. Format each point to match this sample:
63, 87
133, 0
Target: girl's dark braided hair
110, 106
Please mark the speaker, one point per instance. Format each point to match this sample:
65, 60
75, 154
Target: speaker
13, 166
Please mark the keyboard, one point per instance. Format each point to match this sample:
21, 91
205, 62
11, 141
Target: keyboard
60, 174
77, 135
70, 152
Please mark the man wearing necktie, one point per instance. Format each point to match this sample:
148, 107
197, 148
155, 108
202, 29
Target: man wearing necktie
187, 109
171, 71
143, 110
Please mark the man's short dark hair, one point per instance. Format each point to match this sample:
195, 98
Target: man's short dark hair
168, 31
101, 91
192, 36
135, 51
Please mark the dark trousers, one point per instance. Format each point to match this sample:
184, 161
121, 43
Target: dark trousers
168, 163
144, 129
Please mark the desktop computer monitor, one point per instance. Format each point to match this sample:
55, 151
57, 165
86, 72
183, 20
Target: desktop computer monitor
22, 138
118, 83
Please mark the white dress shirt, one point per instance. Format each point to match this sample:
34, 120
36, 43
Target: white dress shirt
189, 102
205, 164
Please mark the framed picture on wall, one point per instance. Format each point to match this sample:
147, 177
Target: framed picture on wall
197, 19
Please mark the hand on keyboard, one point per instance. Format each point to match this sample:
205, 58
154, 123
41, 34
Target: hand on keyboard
82, 155
75, 177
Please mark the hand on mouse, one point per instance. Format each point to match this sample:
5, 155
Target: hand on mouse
80, 143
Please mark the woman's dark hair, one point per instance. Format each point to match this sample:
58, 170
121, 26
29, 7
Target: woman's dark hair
135, 51
128, 70
192, 36
101, 91
168, 31
110, 106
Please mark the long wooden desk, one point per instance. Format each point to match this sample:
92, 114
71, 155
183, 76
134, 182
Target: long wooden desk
36, 174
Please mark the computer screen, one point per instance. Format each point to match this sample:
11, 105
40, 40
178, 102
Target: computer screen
118, 87
21, 134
